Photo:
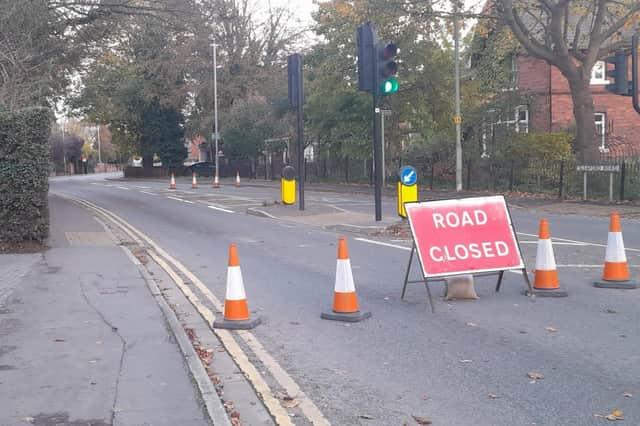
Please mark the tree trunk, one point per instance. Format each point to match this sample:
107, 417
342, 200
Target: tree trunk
587, 142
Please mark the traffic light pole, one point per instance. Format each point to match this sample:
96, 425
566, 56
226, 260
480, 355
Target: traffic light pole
300, 126
377, 147
634, 72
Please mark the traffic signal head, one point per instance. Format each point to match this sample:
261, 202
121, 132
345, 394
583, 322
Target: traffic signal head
387, 67
620, 84
366, 38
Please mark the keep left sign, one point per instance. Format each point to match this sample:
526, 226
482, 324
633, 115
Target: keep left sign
461, 236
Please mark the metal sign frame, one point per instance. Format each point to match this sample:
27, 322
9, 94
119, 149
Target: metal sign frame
481, 272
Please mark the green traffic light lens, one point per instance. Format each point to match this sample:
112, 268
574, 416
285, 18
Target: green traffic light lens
389, 86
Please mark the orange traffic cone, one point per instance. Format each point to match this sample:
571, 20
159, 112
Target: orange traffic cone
237, 178
236, 310
216, 183
616, 270
345, 301
194, 181
546, 281
172, 185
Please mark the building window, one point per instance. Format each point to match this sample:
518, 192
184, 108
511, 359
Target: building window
599, 73
513, 70
600, 119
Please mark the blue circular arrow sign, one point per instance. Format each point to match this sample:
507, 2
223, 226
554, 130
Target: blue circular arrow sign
408, 176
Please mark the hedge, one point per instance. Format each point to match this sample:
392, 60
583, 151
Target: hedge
24, 174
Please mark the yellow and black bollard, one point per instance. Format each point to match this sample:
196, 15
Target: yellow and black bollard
288, 185
407, 188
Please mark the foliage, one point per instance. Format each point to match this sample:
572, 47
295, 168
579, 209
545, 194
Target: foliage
537, 147
164, 128
339, 117
24, 171
248, 125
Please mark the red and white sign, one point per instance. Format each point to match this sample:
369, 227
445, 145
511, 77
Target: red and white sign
462, 236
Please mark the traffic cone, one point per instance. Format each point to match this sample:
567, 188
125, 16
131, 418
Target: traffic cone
237, 178
236, 310
345, 301
216, 184
616, 270
546, 281
194, 181
172, 185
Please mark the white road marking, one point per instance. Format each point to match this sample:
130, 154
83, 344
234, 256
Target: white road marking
339, 208
123, 187
148, 193
180, 199
556, 243
95, 183
142, 187
264, 213
577, 242
221, 209
380, 243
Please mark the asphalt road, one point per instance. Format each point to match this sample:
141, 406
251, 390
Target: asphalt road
467, 363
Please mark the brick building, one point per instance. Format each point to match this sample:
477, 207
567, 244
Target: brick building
551, 108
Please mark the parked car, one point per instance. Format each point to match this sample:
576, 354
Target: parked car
203, 168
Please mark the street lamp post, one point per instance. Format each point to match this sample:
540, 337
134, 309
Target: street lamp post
99, 150
215, 109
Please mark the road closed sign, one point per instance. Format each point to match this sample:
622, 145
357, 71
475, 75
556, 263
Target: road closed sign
464, 236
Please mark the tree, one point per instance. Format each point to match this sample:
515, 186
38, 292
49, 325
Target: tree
572, 36
248, 125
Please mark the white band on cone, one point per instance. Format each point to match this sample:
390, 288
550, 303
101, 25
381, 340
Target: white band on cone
235, 285
344, 277
545, 260
615, 248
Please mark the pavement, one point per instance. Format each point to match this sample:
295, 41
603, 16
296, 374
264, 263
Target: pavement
467, 363
82, 339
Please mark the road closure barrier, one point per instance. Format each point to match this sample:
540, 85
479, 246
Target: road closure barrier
546, 282
345, 300
463, 236
236, 309
172, 184
616, 271
407, 188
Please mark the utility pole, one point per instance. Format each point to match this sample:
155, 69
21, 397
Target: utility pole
215, 110
64, 154
457, 118
296, 99
99, 150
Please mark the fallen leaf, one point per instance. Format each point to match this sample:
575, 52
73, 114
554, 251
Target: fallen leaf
535, 375
627, 395
618, 414
228, 405
551, 329
472, 324
290, 404
366, 417
493, 396
610, 417
58, 339
421, 420
465, 361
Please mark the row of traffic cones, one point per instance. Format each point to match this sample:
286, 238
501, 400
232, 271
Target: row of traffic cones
345, 300
194, 181
616, 271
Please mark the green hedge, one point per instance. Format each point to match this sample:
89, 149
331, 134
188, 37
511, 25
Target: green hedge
24, 174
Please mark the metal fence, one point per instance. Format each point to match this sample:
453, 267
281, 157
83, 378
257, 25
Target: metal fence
563, 179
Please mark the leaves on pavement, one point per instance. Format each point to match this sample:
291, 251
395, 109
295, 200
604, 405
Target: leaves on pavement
551, 329
421, 420
534, 375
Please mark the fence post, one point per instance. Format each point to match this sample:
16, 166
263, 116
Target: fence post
346, 169
623, 170
561, 188
432, 176
469, 174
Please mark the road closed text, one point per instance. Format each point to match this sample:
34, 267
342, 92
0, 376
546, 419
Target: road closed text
469, 219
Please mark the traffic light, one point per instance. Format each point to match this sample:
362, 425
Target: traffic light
294, 74
387, 67
620, 85
366, 39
